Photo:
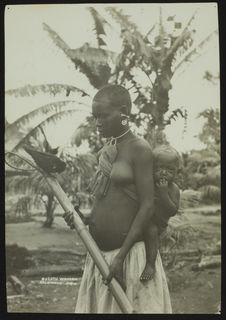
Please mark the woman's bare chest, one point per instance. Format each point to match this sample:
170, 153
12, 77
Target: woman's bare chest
122, 173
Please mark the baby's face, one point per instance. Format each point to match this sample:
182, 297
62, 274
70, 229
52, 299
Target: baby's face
165, 170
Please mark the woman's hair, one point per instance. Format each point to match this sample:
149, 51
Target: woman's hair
167, 150
118, 95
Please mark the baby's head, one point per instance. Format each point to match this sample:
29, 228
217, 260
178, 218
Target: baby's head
166, 163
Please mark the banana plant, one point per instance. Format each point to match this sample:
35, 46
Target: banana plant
158, 55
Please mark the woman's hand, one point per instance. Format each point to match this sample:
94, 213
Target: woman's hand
86, 220
69, 218
116, 271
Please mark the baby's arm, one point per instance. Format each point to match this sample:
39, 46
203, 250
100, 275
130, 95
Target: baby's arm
174, 196
169, 196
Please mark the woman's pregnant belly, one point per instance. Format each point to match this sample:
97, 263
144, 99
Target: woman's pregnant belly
111, 218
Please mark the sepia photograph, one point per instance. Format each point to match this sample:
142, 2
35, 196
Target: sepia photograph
112, 158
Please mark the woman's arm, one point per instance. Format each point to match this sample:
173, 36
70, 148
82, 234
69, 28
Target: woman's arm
143, 173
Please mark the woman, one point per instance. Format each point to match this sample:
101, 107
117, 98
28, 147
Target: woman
124, 204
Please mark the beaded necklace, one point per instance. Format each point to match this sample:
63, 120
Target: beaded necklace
113, 140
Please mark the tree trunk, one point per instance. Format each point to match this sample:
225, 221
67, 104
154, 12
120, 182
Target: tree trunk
50, 207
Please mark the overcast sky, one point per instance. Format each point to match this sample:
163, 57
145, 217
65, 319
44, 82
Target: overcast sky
31, 58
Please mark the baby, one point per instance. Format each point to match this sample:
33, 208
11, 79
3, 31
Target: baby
167, 196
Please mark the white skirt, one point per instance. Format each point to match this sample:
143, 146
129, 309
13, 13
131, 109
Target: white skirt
148, 297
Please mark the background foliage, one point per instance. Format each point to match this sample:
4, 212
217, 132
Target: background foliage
155, 58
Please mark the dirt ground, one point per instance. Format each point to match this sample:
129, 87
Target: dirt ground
192, 291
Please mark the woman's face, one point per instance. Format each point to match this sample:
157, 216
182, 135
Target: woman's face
108, 117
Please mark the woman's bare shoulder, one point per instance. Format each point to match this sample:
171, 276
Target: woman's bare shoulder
141, 149
140, 144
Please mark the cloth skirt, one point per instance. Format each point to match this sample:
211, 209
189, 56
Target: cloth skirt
148, 297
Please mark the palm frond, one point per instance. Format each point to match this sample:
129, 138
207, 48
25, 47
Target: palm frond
94, 63
136, 50
98, 77
57, 40
210, 77
174, 115
161, 31
68, 118
137, 44
74, 55
123, 19
92, 55
180, 39
18, 129
52, 88
194, 51
130, 33
99, 22
79, 57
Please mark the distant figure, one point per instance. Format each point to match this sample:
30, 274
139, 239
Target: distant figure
166, 164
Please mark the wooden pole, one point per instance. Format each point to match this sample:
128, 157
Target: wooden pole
90, 244
47, 162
